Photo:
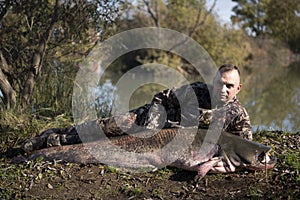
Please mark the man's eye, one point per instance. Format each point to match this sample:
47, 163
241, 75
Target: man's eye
229, 86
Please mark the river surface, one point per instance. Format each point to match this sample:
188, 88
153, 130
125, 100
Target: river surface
271, 95
272, 98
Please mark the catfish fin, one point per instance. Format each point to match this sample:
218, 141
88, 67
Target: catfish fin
208, 165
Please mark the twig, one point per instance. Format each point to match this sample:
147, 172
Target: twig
266, 168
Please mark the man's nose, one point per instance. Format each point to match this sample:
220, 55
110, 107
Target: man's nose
224, 88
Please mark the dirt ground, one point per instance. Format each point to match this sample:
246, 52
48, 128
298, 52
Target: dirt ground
52, 180
94, 182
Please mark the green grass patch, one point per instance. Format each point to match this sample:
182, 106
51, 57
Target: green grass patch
16, 127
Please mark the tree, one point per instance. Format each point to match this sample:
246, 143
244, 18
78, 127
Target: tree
34, 34
283, 22
277, 19
193, 18
185, 16
250, 14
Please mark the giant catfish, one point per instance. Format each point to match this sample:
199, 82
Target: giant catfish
191, 149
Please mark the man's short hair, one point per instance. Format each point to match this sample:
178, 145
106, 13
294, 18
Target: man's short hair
228, 67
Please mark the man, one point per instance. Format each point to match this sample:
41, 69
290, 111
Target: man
221, 109
225, 88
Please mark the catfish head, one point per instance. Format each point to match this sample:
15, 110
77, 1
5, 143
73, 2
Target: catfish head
238, 153
235, 153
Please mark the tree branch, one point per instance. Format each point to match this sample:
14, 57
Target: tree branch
199, 23
4, 8
38, 56
152, 14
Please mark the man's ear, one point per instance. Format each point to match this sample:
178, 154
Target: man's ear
239, 88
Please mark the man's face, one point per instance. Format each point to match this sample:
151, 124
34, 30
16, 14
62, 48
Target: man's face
226, 86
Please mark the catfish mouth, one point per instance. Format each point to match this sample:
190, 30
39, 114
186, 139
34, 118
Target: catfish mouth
264, 161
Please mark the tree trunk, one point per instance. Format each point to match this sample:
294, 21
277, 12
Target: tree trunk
9, 94
37, 59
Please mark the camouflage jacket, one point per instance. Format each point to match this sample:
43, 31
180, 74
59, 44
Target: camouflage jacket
166, 111
188, 105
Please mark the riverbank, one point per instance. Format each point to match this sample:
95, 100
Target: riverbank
55, 180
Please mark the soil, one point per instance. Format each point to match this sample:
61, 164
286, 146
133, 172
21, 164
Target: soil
94, 182
48, 180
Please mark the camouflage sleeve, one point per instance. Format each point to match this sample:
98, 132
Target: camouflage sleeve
243, 125
238, 123
150, 116
164, 107
232, 118
166, 110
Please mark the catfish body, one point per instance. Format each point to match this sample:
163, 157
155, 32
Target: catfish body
191, 149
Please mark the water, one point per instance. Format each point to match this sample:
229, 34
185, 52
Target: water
272, 98
271, 95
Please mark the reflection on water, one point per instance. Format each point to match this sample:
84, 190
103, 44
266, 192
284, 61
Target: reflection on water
270, 95
272, 98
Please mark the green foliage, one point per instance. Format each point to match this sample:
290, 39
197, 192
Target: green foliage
16, 127
284, 147
283, 22
53, 92
39, 38
184, 15
278, 19
251, 15
112, 169
24, 24
224, 44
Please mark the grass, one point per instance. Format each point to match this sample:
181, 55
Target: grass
16, 127
17, 180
